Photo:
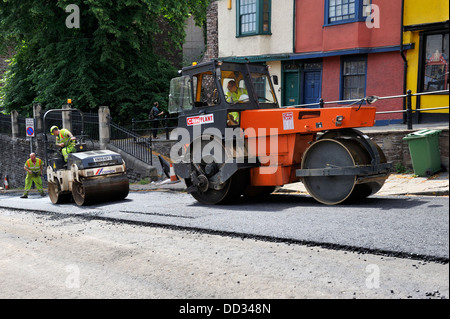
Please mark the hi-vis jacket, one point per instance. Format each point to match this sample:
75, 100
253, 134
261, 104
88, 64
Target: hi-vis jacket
233, 97
64, 136
34, 167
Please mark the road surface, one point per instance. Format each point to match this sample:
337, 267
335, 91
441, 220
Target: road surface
165, 245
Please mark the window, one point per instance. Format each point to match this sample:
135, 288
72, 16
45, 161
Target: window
180, 94
253, 17
263, 89
205, 90
346, 11
435, 62
234, 87
236, 91
354, 78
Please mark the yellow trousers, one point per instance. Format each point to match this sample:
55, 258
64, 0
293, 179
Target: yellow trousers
29, 181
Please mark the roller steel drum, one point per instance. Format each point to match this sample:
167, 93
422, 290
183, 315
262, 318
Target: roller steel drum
340, 153
209, 191
100, 189
56, 195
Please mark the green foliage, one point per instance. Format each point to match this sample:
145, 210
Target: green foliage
400, 169
110, 60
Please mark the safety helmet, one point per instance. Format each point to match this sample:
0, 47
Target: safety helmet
54, 127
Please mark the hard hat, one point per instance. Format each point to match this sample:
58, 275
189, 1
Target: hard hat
54, 127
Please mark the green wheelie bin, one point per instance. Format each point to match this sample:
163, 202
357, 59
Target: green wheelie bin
424, 150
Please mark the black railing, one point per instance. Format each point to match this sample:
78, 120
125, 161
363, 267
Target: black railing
131, 143
5, 124
147, 127
91, 126
409, 110
90, 129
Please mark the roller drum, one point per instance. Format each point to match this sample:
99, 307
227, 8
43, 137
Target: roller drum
100, 189
340, 153
56, 195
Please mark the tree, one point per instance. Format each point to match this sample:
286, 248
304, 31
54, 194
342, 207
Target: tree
107, 59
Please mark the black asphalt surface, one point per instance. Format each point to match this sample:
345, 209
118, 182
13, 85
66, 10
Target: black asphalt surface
401, 226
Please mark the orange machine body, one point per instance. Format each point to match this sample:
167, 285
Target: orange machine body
279, 137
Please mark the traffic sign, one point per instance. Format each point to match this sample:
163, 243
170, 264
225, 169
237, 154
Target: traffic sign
29, 124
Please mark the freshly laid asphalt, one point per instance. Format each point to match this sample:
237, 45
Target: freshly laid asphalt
395, 185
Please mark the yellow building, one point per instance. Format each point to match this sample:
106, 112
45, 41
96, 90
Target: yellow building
426, 25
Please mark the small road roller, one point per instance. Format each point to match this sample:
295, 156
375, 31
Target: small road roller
88, 176
234, 139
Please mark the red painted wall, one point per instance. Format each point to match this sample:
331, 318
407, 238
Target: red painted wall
385, 78
384, 70
312, 36
331, 73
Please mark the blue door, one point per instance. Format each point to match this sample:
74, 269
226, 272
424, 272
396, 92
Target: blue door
312, 87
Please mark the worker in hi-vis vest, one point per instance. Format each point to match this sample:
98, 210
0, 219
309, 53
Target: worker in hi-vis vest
235, 94
34, 167
65, 140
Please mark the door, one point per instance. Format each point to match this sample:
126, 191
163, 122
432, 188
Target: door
312, 87
291, 89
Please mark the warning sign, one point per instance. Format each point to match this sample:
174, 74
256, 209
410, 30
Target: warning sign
29, 124
288, 121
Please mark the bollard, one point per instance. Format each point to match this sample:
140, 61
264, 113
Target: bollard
409, 110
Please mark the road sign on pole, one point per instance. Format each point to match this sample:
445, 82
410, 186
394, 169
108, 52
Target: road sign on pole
29, 124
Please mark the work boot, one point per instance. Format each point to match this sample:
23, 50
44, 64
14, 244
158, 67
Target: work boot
24, 196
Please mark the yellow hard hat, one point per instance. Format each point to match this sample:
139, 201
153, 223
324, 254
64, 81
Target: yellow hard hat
54, 127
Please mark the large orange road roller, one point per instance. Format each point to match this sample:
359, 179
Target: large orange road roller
235, 140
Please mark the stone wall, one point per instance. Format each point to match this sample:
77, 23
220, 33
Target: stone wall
212, 38
397, 150
13, 155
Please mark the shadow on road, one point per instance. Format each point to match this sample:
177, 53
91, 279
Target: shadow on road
279, 202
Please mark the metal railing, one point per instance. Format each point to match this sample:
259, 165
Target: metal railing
148, 126
409, 110
91, 126
131, 143
90, 129
5, 124
122, 138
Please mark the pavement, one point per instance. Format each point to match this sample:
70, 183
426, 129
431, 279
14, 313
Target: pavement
395, 185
